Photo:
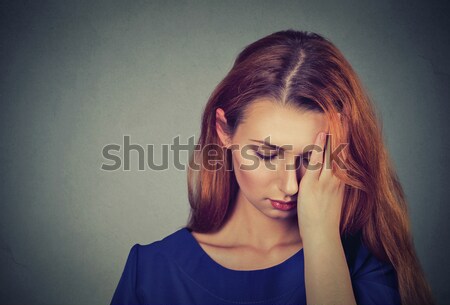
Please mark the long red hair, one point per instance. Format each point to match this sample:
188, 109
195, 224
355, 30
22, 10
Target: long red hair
303, 69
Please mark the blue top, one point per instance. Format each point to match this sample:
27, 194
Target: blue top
176, 270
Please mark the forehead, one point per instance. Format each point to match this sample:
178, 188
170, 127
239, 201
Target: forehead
284, 125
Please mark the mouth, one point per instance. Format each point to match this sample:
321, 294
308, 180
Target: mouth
283, 205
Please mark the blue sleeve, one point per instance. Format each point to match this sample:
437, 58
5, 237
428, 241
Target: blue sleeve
374, 282
125, 293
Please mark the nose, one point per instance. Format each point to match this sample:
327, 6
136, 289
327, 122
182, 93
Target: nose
289, 176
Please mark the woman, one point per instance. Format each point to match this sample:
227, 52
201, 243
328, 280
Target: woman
290, 122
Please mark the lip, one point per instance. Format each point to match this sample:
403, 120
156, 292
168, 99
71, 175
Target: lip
283, 205
283, 202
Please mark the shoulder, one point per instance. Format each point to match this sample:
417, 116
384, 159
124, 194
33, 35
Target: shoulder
361, 260
149, 265
374, 280
158, 252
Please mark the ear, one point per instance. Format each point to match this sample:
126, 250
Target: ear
221, 123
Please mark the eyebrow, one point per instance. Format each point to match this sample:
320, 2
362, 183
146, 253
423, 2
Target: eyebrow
275, 146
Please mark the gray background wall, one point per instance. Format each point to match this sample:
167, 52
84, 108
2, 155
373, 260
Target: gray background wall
78, 75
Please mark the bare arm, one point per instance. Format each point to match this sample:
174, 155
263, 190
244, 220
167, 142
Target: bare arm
327, 277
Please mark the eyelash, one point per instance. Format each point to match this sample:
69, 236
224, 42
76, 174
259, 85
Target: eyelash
266, 158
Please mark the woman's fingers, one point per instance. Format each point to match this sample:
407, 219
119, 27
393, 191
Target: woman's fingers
327, 176
316, 159
327, 172
320, 163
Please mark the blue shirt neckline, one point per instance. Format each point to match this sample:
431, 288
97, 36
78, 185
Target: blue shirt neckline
218, 266
268, 284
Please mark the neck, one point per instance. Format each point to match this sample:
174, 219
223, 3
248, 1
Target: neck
248, 226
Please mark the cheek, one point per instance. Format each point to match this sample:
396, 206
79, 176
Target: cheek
259, 177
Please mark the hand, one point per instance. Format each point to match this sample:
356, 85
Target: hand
321, 193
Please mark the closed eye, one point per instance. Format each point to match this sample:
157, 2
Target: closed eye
263, 157
270, 157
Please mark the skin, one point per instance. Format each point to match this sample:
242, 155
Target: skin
257, 235
327, 278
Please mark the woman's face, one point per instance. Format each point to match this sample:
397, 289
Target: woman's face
260, 180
